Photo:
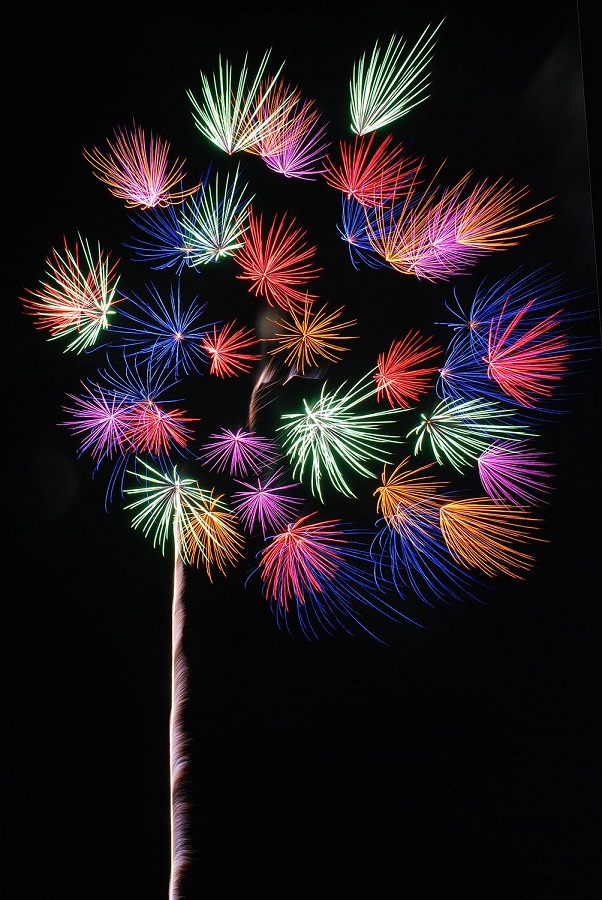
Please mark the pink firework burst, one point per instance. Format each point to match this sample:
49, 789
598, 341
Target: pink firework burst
296, 141
526, 362
514, 472
138, 170
266, 504
401, 376
241, 452
227, 348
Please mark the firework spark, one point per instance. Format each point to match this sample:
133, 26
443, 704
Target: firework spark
385, 88
241, 452
487, 536
227, 348
371, 175
78, 296
330, 432
278, 262
513, 472
312, 337
400, 374
137, 169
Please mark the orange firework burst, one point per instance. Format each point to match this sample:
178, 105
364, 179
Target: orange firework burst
311, 337
211, 537
404, 490
481, 534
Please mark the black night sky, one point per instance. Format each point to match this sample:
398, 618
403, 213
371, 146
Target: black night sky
459, 756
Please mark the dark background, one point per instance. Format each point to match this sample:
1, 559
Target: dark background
459, 757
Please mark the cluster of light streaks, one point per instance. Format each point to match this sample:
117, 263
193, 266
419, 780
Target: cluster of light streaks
78, 297
439, 232
371, 175
296, 139
401, 376
331, 435
388, 84
228, 115
138, 170
312, 337
276, 264
475, 400
228, 349
241, 452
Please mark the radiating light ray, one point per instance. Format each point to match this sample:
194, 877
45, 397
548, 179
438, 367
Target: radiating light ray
296, 141
211, 537
228, 116
121, 415
459, 432
240, 452
318, 576
508, 295
312, 337
488, 536
514, 473
169, 244
78, 295
228, 349
266, 503
369, 174
214, 220
401, 376
440, 232
527, 362
410, 550
404, 488
331, 435
353, 229
383, 88
138, 170
463, 375
164, 330
276, 263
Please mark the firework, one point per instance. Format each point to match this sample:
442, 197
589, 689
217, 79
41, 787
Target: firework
354, 229
164, 330
409, 550
311, 337
513, 472
227, 348
266, 503
137, 169
120, 416
405, 488
371, 176
386, 87
214, 219
295, 141
78, 296
459, 432
488, 536
331, 433
317, 575
527, 362
278, 262
241, 452
401, 376
439, 232
228, 116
